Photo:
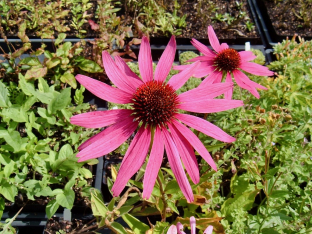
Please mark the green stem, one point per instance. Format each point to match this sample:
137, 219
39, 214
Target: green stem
163, 215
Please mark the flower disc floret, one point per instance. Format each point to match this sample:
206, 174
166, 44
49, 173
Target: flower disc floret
154, 103
227, 60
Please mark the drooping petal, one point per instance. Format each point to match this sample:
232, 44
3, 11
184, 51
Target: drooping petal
107, 140
165, 62
145, 61
213, 76
202, 48
214, 41
210, 105
256, 69
125, 68
172, 230
154, 163
186, 153
205, 127
195, 142
204, 69
246, 80
208, 92
241, 84
104, 91
193, 225
228, 94
180, 228
178, 80
120, 79
133, 160
176, 166
99, 119
208, 230
246, 56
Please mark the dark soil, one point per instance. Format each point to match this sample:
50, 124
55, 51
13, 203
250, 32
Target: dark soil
284, 16
201, 14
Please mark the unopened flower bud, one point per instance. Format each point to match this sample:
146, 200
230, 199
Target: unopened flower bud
262, 121
288, 117
274, 107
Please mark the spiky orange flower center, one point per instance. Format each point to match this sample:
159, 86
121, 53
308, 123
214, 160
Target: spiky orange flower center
154, 103
227, 60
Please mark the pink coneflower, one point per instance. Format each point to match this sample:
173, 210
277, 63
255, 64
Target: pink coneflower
225, 60
155, 114
178, 229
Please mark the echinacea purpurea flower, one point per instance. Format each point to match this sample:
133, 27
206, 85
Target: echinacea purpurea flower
154, 113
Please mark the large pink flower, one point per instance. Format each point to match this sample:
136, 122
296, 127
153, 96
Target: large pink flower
178, 229
225, 60
155, 114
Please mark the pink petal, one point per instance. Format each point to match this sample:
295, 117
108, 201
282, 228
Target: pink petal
228, 94
204, 69
224, 46
246, 56
208, 230
133, 159
145, 60
104, 91
165, 62
180, 228
205, 105
178, 80
213, 76
202, 48
241, 84
125, 68
176, 166
213, 39
181, 67
99, 119
208, 92
205, 127
193, 225
186, 153
195, 142
120, 79
154, 163
107, 140
256, 69
202, 58
172, 230
247, 81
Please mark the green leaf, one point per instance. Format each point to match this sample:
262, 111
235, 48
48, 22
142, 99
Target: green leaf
97, 204
17, 114
43, 85
61, 101
51, 208
69, 79
8, 169
111, 204
118, 228
243, 201
36, 72
30, 61
13, 139
65, 152
136, 225
53, 62
27, 87
125, 209
160, 227
2, 205
172, 187
279, 193
9, 191
4, 96
66, 199
85, 172
60, 38
90, 66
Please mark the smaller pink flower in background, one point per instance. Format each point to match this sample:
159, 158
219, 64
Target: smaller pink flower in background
155, 113
178, 229
226, 60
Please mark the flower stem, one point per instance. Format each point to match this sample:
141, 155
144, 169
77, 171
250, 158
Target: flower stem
163, 215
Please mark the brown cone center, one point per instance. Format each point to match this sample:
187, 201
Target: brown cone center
227, 60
